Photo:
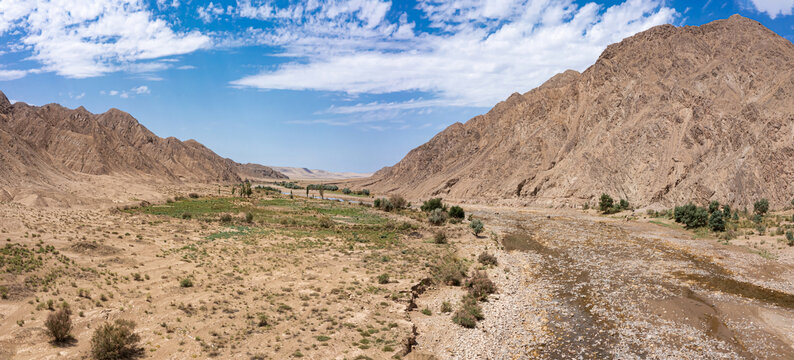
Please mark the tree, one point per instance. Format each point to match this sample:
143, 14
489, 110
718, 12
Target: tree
116, 340
476, 227
623, 204
761, 207
432, 204
691, 215
605, 203
457, 212
716, 221
726, 210
713, 206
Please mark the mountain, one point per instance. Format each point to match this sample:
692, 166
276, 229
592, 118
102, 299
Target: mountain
46, 147
257, 172
667, 116
316, 174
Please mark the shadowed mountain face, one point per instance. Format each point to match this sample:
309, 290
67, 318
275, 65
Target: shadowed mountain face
666, 116
46, 145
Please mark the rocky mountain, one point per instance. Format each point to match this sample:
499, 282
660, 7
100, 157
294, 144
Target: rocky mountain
44, 146
255, 171
669, 115
317, 174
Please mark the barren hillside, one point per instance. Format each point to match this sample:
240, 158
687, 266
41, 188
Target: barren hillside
666, 116
50, 147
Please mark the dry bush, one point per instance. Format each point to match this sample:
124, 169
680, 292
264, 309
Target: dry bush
116, 340
449, 270
59, 325
440, 237
468, 313
480, 286
398, 202
487, 259
437, 217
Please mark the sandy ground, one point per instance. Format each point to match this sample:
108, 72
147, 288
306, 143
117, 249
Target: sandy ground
570, 284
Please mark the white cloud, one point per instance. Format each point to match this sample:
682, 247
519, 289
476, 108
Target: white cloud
209, 12
6, 75
773, 8
124, 94
186, 67
81, 39
481, 53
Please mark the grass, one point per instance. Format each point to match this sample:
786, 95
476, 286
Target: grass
666, 224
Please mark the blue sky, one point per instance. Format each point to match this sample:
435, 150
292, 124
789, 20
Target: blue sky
343, 85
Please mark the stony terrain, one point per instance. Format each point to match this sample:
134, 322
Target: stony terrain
573, 285
666, 116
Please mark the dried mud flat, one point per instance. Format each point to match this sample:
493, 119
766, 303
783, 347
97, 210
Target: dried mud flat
575, 286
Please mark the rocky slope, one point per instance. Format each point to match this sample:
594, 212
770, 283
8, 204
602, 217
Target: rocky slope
666, 116
255, 172
47, 146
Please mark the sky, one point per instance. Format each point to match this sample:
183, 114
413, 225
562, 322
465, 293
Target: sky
340, 85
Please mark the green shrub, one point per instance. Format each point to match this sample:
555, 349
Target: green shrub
59, 325
249, 217
427, 311
487, 259
437, 217
691, 216
480, 286
446, 307
193, 195
263, 320
476, 227
761, 207
623, 205
226, 218
186, 216
726, 211
605, 204
468, 313
432, 204
440, 237
716, 221
116, 340
347, 191
186, 282
364, 192
383, 278
448, 270
714, 205
790, 237
457, 212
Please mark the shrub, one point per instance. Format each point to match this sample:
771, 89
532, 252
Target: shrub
726, 211
226, 218
437, 217
487, 259
790, 237
476, 227
249, 217
716, 221
186, 282
59, 325
116, 340
457, 212
446, 307
440, 237
346, 191
398, 202
449, 270
713, 206
432, 204
193, 195
761, 207
623, 205
480, 286
186, 216
364, 192
691, 216
383, 278
605, 204
263, 321
427, 311
468, 313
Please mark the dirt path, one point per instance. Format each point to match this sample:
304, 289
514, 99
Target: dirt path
575, 286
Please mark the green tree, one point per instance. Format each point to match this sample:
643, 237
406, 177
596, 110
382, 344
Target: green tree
761, 207
605, 203
713, 206
432, 204
716, 221
457, 212
477, 227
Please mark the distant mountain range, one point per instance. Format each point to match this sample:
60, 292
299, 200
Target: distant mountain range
315, 174
667, 116
49, 146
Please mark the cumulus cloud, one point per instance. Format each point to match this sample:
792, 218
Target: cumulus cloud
6, 75
773, 8
478, 52
80, 39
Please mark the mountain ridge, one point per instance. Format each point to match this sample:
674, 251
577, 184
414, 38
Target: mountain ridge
668, 115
